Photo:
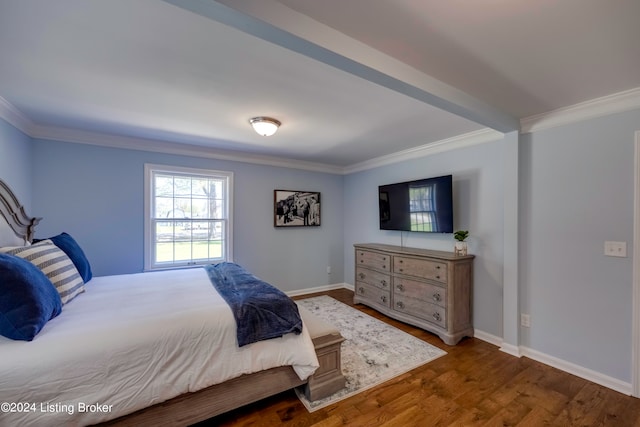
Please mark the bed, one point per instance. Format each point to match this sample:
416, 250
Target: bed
155, 348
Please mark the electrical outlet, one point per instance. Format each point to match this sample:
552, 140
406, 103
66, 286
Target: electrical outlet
618, 249
525, 320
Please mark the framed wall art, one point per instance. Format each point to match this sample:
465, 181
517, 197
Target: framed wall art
296, 208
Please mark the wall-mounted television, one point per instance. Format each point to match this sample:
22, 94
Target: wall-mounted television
424, 205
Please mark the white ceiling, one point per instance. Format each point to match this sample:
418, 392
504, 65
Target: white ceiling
351, 80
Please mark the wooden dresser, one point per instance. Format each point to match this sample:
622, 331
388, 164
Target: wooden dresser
425, 288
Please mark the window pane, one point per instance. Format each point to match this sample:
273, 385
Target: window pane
182, 250
163, 206
201, 250
164, 252
182, 186
164, 231
217, 231
200, 208
215, 249
187, 217
215, 189
217, 209
199, 231
164, 185
181, 207
199, 187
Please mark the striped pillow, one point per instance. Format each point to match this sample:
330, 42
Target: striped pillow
55, 264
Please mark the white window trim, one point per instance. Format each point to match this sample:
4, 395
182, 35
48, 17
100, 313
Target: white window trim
148, 240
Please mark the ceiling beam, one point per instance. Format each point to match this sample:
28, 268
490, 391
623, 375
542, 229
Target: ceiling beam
274, 22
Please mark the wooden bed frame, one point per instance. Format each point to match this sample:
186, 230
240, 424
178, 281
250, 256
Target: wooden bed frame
200, 405
194, 407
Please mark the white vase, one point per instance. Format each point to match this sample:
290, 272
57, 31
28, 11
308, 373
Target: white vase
460, 248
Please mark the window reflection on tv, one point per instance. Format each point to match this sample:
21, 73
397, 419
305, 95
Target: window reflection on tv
424, 205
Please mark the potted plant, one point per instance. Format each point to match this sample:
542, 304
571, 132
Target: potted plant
461, 244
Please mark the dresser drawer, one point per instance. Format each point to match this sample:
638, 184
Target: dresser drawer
375, 278
373, 295
420, 290
426, 288
418, 308
374, 260
421, 268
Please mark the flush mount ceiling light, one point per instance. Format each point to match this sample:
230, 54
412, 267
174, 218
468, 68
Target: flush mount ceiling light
265, 126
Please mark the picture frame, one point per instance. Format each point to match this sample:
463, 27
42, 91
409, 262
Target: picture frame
296, 208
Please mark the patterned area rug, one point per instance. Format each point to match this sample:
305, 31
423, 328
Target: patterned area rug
373, 352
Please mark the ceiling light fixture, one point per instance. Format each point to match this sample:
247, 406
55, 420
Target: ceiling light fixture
265, 126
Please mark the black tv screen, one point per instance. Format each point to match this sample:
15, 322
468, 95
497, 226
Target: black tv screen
424, 205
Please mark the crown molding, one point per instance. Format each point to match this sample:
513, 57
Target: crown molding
618, 102
20, 121
141, 144
461, 141
182, 149
23, 123
15, 117
610, 104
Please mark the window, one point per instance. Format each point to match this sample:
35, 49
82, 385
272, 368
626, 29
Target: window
422, 208
187, 216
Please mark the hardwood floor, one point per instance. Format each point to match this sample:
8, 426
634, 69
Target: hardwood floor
475, 384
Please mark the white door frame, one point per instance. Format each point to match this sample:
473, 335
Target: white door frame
635, 350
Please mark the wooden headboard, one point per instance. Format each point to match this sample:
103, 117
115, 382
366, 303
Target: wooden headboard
15, 216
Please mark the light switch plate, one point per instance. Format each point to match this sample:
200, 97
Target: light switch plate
617, 249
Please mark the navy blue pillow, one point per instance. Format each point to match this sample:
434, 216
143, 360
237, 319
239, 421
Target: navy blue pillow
28, 299
73, 250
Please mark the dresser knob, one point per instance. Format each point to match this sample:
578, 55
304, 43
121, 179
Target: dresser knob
401, 270
400, 261
383, 299
400, 304
361, 276
383, 283
437, 297
361, 261
400, 287
438, 267
437, 277
436, 316
361, 290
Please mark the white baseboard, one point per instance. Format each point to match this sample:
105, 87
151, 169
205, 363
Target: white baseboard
579, 371
491, 339
563, 365
516, 351
511, 349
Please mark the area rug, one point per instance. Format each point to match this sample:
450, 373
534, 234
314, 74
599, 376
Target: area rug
373, 352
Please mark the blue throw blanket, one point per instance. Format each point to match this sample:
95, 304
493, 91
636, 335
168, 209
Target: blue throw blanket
262, 311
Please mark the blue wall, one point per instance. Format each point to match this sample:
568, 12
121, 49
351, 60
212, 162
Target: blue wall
576, 191
96, 195
478, 207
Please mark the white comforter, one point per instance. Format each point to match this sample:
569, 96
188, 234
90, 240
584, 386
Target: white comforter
131, 341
